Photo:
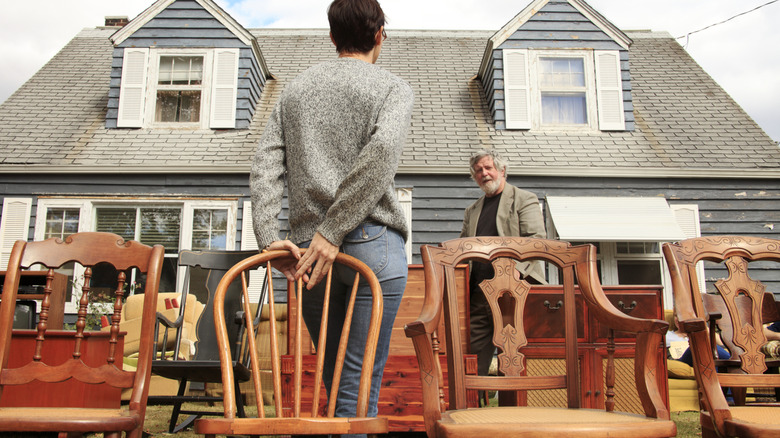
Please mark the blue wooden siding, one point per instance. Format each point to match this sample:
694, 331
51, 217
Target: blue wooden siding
558, 25
185, 24
738, 206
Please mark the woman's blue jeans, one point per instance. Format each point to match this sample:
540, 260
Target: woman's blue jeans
382, 249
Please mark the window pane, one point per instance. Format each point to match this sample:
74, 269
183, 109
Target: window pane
119, 221
562, 72
180, 70
61, 222
177, 106
161, 226
639, 271
564, 108
209, 229
637, 248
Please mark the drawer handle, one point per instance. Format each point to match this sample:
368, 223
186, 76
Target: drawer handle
551, 307
628, 308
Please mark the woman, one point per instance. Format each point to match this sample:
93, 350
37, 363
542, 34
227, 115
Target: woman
336, 134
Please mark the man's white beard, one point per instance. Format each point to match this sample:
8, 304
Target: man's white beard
490, 187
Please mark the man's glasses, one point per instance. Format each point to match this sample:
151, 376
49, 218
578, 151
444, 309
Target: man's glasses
384, 34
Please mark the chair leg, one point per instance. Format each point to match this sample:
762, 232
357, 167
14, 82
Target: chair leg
177, 405
186, 423
739, 395
239, 400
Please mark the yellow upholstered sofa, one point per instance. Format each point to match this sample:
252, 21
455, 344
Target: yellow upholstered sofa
130, 322
683, 390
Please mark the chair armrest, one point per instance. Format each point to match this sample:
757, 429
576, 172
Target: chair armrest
707, 381
162, 319
430, 372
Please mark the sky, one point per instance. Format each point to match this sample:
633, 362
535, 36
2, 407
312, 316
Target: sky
736, 42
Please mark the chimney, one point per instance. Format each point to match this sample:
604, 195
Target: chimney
116, 21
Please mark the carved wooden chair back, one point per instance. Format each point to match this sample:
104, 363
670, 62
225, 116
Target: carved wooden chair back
507, 295
740, 303
205, 270
296, 407
102, 378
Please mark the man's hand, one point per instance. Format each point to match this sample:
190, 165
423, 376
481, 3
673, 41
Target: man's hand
287, 268
321, 255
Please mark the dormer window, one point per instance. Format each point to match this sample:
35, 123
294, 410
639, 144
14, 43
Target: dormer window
563, 89
171, 88
179, 89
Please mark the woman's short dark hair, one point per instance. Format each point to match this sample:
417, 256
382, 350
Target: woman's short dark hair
354, 24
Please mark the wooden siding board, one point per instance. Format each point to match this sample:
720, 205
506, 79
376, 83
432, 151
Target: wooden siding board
568, 44
558, 35
173, 13
234, 43
182, 33
190, 23
568, 26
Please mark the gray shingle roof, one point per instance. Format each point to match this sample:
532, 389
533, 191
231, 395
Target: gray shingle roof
684, 119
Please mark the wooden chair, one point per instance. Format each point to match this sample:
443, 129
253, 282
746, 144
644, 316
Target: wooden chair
507, 297
744, 299
289, 413
89, 250
208, 267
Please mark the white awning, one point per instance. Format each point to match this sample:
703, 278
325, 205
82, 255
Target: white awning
605, 219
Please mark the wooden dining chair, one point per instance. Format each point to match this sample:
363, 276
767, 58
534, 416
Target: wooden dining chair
736, 264
63, 363
507, 295
300, 406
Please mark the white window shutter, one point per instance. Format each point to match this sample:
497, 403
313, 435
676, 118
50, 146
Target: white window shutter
404, 196
249, 242
15, 225
609, 91
517, 93
132, 92
687, 216
224, 88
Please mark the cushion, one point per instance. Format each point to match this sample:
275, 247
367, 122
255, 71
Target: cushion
679, 370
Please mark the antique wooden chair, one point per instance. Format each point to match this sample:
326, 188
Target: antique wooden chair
82, 371
744, 299
507, 296
297, 409
205, 269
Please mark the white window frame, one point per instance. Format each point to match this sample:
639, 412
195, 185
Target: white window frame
536, 90
153, 86
523, 92
609, 256
87, 213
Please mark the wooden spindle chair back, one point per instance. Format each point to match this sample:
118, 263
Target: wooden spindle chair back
296, 404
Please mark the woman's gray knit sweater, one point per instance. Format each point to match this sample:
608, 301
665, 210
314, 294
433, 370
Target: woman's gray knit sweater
336, 136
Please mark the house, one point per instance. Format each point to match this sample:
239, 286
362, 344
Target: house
147, 128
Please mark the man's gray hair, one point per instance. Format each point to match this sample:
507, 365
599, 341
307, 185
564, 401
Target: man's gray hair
498, 162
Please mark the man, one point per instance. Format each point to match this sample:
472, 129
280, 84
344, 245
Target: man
504, 210
336, 136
